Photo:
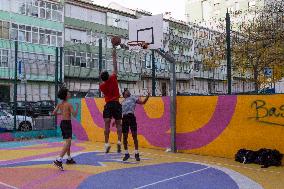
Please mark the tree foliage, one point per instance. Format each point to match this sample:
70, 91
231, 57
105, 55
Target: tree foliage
257, 43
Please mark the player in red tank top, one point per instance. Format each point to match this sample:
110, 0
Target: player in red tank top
113, 108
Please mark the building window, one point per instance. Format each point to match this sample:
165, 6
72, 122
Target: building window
89, 61
53, 38
197, 66
95, 61
28, 34
70, 58
14, 31
41, 36
3, 58
59, 39
32, 8
33, 64
40, 9
42, 12
149, 61
4, 29
47, 37
35, 35
83, 60
81, 13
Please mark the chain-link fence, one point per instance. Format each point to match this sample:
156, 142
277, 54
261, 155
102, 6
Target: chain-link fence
30, 74
202, 66
28, 83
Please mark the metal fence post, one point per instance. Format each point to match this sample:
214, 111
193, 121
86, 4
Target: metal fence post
169, 58
56, 74
173, 107
153, 74
100, 59
56, 82
229, 58
61, 66
15, 85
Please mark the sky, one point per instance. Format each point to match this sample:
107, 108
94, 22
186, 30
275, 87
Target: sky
176, 7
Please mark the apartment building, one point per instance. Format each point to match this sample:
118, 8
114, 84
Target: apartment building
38, 26
205, 11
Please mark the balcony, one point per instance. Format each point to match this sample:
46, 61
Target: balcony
146, 72
81, 72
209, 75
129, 76
182, 76
43, 75
178, 40
163, 74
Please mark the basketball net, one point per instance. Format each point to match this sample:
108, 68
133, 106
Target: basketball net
139, 48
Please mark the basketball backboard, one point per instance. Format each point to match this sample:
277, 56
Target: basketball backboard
148, 29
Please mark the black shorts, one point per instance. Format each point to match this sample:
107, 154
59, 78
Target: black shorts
66, 129
129, 121
113, 109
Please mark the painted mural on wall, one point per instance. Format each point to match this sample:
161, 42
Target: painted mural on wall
232, 122
217, 126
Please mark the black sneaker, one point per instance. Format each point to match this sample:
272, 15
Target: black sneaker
118, 148
58, 164
107, 149
126, 157
137, 157
71, 161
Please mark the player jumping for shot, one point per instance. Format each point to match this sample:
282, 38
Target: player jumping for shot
112, 108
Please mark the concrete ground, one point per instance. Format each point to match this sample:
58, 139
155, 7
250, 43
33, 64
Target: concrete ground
28, 165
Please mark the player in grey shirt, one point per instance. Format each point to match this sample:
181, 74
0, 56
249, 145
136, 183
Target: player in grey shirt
129, 121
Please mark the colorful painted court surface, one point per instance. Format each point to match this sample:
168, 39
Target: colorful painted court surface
28, 165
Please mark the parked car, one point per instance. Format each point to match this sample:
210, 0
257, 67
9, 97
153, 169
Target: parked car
45, 107
35, 106
5, 106
25, 109
7, 122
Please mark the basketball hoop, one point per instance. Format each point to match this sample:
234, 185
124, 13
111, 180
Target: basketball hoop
138, 44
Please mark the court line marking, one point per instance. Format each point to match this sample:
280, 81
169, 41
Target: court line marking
190, 173
206, 162
188, 159
7, 185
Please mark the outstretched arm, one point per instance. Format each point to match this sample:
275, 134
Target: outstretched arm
140, 101
114, 60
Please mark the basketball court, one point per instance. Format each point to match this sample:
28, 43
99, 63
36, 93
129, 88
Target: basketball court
29, 165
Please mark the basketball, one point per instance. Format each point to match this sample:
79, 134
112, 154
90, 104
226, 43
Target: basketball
116, 41
145, 45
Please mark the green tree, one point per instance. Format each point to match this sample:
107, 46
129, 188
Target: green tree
257, 44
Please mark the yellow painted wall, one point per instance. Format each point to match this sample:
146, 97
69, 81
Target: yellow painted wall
243, 131
204, 124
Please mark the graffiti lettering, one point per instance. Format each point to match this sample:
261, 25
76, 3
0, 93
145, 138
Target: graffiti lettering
263, 111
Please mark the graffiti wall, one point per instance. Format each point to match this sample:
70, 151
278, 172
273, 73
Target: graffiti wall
219, 126
216, 126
